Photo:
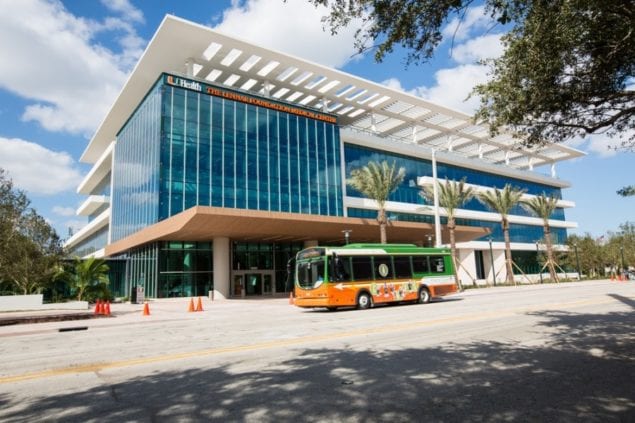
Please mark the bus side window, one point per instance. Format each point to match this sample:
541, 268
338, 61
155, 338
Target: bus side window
402, 267
342, 269
420, 264
383, 267
438, 265
362, 268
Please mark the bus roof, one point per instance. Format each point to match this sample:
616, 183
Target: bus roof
356, 249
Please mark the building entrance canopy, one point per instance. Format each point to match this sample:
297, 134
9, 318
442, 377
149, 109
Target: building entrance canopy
205, 223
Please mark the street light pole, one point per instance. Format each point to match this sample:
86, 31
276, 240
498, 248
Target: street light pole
577, 261
435, 192
539, 269
491, 256
429, 240
622, 253
347, 234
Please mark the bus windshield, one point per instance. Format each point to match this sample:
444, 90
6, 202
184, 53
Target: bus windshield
310, 274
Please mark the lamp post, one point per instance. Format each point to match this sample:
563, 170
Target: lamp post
429, 240
491, 256
435, 192
622, 253
347, 234
577, 261
539, 269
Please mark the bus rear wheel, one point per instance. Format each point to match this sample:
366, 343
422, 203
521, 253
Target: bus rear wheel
364, 301
424, 295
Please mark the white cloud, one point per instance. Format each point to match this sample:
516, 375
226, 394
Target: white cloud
293, 27
479, 48
63, 211
36, 169
126, 9
462, 28
394, 83
51, 58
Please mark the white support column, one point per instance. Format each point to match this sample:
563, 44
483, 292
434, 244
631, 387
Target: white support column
189, 68
531, 163
450, 140
267, 89
414, 134
373, 124
325, 105
480, 151
507, 157
435, 192
553, 170
221, 268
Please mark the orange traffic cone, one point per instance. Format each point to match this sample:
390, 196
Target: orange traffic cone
107, 309
97, 307
191, 306
290, 297
199, 305
146, 309
612, 278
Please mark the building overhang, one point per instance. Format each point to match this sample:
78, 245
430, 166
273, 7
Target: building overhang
210, 56
205, 223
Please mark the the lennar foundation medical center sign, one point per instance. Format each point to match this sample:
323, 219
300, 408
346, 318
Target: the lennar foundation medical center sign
256, 101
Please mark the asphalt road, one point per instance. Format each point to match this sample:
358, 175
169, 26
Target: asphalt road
533, 353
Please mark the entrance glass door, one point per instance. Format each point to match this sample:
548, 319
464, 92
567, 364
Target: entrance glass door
237, 289
254, 284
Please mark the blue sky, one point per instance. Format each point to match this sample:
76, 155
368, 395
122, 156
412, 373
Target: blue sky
64, 62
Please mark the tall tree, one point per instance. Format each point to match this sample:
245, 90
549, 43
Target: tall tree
543, 206
377, 181
502, 202
88, 273
452, 196
566, 68
29, 247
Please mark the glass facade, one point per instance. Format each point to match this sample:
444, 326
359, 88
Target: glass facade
95, 242
186, 269
135, 176
141, 269
220, 152
408, 191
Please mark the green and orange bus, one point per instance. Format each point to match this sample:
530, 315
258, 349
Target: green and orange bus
363, 275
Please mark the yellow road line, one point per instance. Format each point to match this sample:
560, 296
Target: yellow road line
94, 367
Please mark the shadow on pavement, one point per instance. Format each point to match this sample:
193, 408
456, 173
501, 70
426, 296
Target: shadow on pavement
584, 373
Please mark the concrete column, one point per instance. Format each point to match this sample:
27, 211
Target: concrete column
221, 268
310, 243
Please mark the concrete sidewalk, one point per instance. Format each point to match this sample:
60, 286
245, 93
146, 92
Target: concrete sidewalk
161, 310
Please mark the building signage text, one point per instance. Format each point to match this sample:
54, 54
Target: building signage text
230, 95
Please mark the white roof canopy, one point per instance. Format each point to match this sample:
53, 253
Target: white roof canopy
199, 52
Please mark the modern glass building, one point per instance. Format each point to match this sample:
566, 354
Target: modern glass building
220, 160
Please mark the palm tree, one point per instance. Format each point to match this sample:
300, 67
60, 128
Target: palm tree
543, 206
452, 196
502, 202
88, 273
377, 181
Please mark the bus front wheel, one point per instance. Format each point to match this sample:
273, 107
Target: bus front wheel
424, 295
364, 301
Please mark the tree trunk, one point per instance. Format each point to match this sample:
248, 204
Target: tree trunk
508, 252
381, 217
550, 261
455, 259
